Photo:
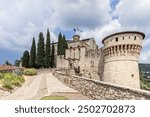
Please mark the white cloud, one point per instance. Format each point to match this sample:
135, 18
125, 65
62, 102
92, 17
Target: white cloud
82, 13
20, 20
146, 42
134, 14
101, 32
145, 56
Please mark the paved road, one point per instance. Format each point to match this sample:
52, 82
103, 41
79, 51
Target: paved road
43, 84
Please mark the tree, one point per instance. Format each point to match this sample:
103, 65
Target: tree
47, 51
40, 51
7, 63
64, 45
17, 63
25, 59
53, 56
32, 54
59, 46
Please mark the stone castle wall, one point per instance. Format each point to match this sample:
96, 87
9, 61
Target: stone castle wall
61, 62
91, 62
101, 90
116, 62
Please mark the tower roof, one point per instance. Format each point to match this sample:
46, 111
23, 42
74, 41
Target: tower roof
124, 32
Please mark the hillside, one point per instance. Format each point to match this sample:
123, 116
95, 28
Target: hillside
145, 76
144, 70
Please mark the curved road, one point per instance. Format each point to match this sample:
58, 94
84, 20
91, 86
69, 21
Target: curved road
43, 84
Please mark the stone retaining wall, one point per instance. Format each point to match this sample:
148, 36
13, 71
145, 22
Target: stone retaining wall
100, 90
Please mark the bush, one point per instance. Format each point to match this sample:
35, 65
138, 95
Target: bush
11, 80
30, 72
1, 75
18, 72
7, 86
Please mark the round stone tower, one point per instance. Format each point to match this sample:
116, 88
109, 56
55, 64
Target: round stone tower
121, 52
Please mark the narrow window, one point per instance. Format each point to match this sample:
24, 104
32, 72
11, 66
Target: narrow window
135, 38
116, 39
122, 38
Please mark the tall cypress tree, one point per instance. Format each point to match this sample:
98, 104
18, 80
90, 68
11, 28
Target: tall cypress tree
40, 51
59, 46
32, 55
25, 59
53, 56
47, 50
64, 45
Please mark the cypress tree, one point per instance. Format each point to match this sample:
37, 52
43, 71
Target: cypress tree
64, 44
32, 55
53, 56
25, 59
59, 46
47, 50
40, 51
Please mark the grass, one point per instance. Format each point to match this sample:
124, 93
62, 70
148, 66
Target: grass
54, 98
9, 81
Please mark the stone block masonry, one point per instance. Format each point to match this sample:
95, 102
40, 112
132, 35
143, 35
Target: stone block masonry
101, 90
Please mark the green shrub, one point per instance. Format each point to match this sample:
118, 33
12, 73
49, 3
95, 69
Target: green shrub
7, 86
1, 75
18, 72
11, 80
30, 72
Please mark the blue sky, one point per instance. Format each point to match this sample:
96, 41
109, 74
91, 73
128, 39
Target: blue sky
20, 20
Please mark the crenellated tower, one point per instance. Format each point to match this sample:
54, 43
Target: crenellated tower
121, 52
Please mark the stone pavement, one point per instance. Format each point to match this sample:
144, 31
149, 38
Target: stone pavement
56, 87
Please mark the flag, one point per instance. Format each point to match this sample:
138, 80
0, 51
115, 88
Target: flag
74, 29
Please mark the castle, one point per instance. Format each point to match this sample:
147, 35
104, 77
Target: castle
116, 62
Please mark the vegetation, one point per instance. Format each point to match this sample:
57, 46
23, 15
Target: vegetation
43, 56
54, 98
30, 72
144, 83
40, 51
7, 63
1, 75
47, 51
62, 45
25, 59
18, 72
32, 54
17, 63
59, 47
10, 81
53, 56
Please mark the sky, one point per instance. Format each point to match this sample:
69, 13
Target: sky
21, 20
